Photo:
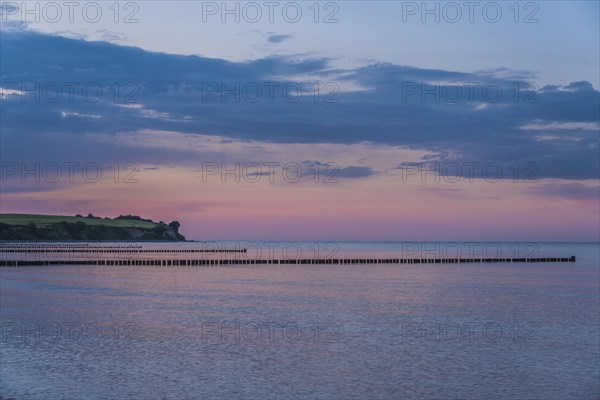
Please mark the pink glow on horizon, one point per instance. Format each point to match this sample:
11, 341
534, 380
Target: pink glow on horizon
374, 208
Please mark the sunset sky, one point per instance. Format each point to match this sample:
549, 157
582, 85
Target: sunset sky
178, 111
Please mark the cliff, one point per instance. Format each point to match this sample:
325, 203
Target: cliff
35, 227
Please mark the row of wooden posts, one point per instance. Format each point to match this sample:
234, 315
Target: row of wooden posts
314, 261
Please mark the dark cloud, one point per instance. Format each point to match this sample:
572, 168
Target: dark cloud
333, 171
397, 106
354, 172
278, 38
581, 85
260, 174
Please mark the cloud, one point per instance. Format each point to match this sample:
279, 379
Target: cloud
10, 17
355, 172
13, 26
264, 173
579, 86
561, 126
272, 38
110, 36
577, 191
72, 34
129, 90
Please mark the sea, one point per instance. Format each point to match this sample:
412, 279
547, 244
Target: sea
507, 330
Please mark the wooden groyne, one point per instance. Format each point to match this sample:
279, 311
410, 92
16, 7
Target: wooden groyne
119, 251
313, 261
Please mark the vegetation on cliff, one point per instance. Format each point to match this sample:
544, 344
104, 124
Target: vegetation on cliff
90, 228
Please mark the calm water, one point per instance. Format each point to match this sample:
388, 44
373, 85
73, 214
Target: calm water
467, 331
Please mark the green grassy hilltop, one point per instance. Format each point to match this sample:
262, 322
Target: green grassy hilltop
60, 228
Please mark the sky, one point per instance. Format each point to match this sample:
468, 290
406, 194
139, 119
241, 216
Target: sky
346, 120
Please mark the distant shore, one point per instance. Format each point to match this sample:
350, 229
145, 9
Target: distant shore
60, 228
